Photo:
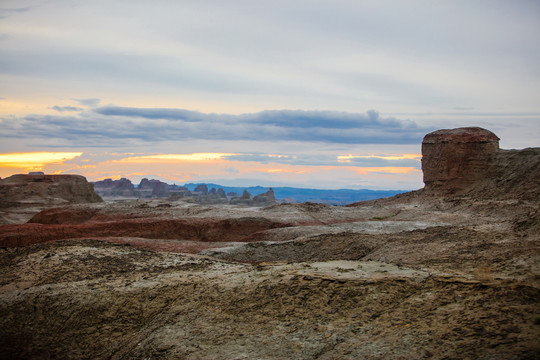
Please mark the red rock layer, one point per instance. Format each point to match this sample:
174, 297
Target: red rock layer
199, 229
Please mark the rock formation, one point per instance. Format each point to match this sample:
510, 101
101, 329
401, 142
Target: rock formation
24, 195
46, 190
160, 190
153, 189
468, 161
221, 193
201, 189
265, 198
453, 160
156, 189
246, 195
109, 187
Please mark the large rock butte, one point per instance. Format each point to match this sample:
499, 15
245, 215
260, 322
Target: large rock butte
110, 187
45, 190
454, 159
468, 161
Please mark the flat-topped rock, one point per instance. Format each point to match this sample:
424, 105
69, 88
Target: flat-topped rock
37, 191
454, 159
468, 161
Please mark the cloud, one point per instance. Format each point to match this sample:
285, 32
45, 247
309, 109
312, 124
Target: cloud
288, 125
277, 118
243, 160
88, 102
35, 160
66, 108
231, 170
5, 12
169, 114
132, 127
15, 10
399, 160
106, 124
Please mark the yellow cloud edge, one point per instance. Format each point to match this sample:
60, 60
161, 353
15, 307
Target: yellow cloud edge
35, 159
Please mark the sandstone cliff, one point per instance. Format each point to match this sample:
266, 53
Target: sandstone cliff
109, 187
468, 161
46, 189
32, 193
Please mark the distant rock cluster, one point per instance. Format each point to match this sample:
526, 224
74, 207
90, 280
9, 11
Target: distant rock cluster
156, 189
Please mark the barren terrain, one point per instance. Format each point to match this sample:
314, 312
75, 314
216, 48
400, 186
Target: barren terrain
400, 278
447, 272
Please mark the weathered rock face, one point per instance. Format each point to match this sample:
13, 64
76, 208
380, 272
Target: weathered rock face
153, 189
454, 159
265, 198
221, 193
46, 188
201, 189
36, 192
468, 161
246, 195
109, 187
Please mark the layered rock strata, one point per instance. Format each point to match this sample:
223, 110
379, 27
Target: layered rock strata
468, 161
20, 190
454, 159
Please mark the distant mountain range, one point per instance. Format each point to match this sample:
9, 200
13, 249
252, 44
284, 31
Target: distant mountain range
332, 197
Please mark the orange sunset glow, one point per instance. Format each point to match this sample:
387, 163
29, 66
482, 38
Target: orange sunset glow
197, 157
35, 160
181, 168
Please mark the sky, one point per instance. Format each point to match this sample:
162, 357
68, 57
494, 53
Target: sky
308, 93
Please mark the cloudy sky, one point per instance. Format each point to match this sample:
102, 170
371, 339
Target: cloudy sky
306, 93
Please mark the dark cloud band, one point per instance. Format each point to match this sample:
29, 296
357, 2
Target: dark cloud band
155, 124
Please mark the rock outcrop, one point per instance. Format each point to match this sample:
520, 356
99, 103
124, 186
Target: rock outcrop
110, 187
155, 189
221, 193
246, 195
22, 196
201, 189
454, 159
468, 161
20, 190
266, 198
